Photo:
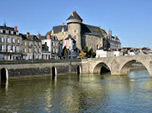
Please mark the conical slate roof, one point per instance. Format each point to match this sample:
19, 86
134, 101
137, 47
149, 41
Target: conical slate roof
75, 15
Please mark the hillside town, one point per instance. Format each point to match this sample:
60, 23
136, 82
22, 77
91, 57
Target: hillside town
66, 41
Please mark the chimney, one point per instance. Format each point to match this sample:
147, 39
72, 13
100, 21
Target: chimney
110, 32
27, 34
48, 36
38, 35
63, 24
15, 28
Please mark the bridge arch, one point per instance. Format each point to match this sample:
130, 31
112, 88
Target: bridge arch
54, 73
101, 67
4, 74
125, 68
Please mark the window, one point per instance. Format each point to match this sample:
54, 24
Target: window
75, 37
3, 39
75, 30
7, 32
3, 48
17, 49
29, 44
9, 40
17, 33
13, 40
56, 50
9, 48
0, 39
25, 50
18, 40
6, 40
0, 47
13, 48
6, 48
24, 43
12, 32
1, 31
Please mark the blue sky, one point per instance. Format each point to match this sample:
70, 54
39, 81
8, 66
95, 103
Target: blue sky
130, 20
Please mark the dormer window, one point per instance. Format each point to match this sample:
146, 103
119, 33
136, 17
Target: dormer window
1, 30
12, 32
17, 33
7, 32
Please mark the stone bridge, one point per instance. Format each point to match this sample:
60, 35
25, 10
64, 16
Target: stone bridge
117, 65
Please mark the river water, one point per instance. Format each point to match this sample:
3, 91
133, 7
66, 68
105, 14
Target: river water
72, 94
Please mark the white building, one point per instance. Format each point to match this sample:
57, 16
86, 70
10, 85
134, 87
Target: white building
50, 47
101, 53
70, 45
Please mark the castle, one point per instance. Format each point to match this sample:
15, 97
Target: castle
85, 35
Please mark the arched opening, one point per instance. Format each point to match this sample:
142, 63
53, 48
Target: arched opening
133, 67
54, 73
4, 74
78, 70
101, 68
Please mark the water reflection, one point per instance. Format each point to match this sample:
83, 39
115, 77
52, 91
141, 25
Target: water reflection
83, 93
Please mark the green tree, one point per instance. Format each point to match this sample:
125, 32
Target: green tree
65, 52
90, 53
93, 54
85, 49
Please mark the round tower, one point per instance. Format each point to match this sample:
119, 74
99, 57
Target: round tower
74, 28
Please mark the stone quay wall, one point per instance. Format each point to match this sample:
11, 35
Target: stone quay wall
40, 67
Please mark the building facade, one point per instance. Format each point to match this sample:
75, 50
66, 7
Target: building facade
113, 41
70, 45
51, 47
10, 43
16, 46
31, 47
85, 35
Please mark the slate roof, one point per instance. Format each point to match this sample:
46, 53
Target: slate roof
92, 30
69, 37
75, 15
42, 37
58, 29
30, 38
7, 28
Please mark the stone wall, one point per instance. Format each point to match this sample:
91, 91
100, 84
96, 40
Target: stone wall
37, 68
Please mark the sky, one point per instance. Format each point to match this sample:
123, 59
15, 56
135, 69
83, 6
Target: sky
130, 20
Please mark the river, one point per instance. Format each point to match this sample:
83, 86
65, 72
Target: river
131, 93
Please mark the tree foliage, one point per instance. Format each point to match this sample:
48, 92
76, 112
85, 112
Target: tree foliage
65, 52
88, 53
83, 54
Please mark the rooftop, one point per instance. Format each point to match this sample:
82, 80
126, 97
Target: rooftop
75, 15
